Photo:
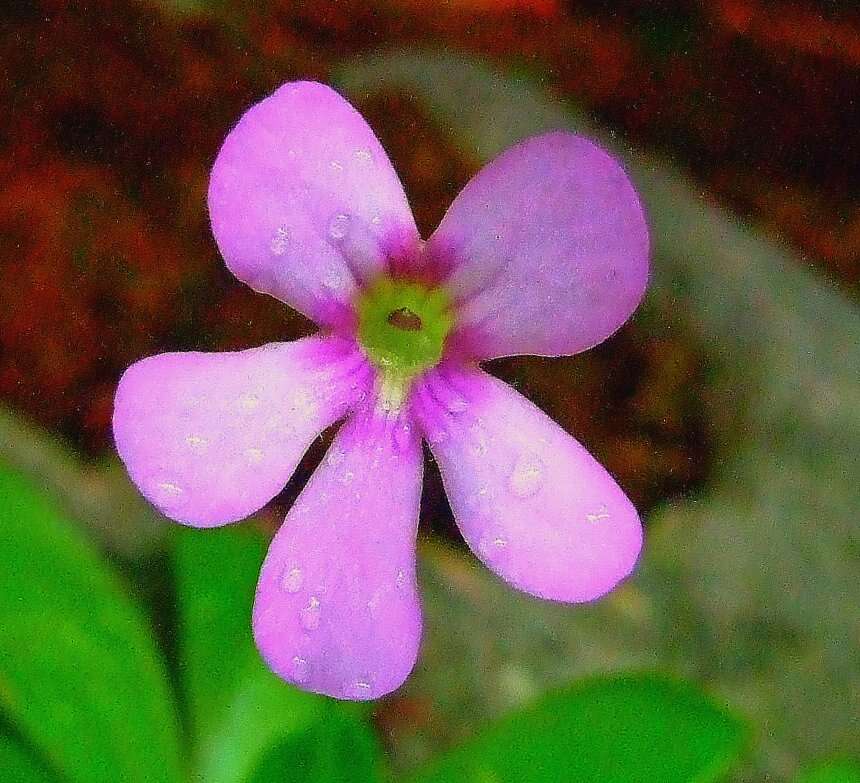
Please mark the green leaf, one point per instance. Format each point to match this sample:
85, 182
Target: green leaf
340, 749
244, 717
216, 574
16, 764
79, 672
835, 771
607, 730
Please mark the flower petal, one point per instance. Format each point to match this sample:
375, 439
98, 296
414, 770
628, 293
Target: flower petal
337, 610
209, 438
532, 504
304, 201
546, 250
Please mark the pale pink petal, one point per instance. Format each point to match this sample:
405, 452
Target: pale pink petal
209, 438
530, 501
337, 610
545, 250
304, 201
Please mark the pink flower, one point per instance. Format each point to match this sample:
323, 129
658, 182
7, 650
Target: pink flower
544, 252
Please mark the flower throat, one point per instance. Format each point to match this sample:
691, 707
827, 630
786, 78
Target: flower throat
402, 327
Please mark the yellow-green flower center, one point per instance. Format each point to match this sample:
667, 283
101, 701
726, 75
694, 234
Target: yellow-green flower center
402, 327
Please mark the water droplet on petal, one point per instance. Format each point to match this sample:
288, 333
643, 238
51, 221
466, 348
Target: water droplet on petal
479, 439
363, 154
254, 455
338, 226
527, 476
248, 402
437, 435
360, 689
336, 165
301, 670
169, 488
279, 242
197, 443
400, 579
333, 280
480, 497
292, 580
491, 545
335, 456
599, 515
402, 435
310, 615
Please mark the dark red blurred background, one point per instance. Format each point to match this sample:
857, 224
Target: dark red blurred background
115, 110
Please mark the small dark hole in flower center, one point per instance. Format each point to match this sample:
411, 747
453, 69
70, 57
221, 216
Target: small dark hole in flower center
405, 319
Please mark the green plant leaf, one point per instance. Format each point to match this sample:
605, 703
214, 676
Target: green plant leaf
79, 673
834, 771
16, 764
244, 718
340, 749
216, 574
625, 729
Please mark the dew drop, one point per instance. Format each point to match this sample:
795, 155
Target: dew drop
169, 488
197, 443
360, 689
437, 435
479, 439
310, 615
527, 476
402, 435
347, 477
492, 545
301, 670
400, 579
363, 154
304, 404
338, 226
335, 456
254, 455
248, 402
479, 497
599, 515
333, 280
279, 242
336, 165
292, 580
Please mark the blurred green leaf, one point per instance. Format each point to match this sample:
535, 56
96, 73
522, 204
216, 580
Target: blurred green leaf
216, 574
339, 749
606, 730
245, 718
751, 587
831, 772
79, 672
18, 766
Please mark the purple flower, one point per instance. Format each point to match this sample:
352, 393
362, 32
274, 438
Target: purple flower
544, 252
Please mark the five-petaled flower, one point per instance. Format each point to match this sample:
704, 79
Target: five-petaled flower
544, 252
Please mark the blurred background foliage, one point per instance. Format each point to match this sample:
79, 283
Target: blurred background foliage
729, 407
